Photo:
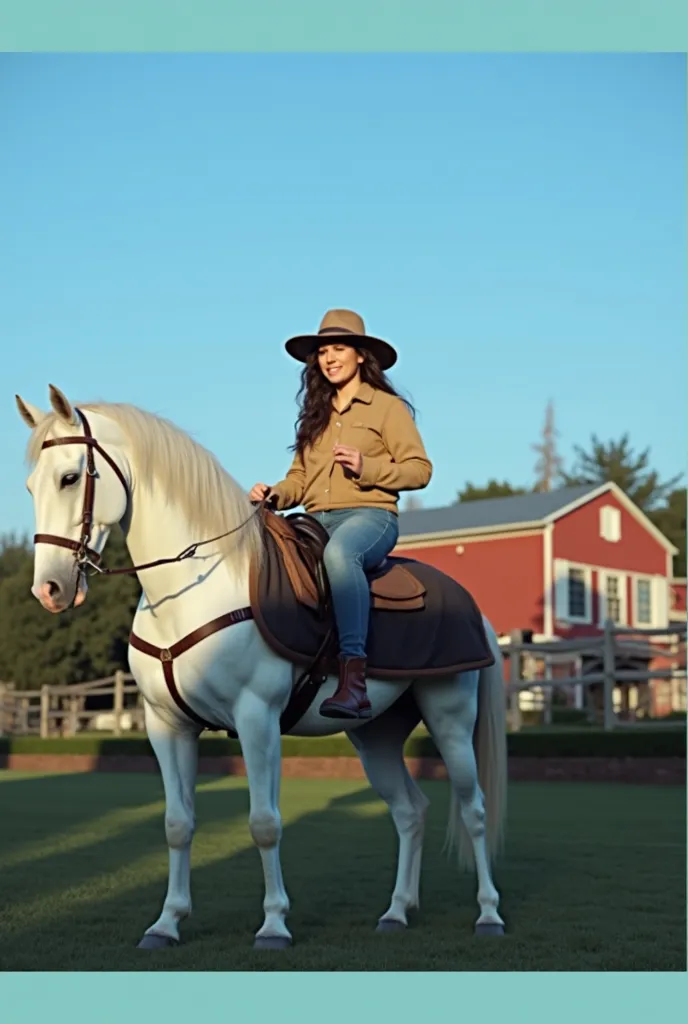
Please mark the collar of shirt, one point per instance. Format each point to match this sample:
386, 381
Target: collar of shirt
364, 394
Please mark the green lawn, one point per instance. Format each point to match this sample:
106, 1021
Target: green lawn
594, 878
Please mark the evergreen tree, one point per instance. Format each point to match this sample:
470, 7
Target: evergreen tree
549, 465
492, 489
671, 520
616, 461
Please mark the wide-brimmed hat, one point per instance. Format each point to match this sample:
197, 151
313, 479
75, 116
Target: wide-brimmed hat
346, 326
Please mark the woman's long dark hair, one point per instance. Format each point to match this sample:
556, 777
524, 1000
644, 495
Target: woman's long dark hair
316, 393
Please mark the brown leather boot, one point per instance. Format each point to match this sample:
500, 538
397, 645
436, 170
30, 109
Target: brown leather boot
351, 698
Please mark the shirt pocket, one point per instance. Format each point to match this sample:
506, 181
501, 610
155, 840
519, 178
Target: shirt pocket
365, 438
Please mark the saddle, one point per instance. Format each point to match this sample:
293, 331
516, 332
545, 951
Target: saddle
301, 542
423, 623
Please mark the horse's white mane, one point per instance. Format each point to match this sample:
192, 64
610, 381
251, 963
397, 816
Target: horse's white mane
187, 474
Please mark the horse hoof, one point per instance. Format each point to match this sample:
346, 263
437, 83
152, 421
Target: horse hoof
152, 940
489, 928
271, 942
390, 926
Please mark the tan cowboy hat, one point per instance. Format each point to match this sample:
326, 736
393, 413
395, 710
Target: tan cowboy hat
341, 323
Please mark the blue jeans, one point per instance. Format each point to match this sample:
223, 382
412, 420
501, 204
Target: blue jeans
359, 539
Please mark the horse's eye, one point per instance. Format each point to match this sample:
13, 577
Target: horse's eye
68, 480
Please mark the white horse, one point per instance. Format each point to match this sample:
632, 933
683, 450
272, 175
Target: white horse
167, 492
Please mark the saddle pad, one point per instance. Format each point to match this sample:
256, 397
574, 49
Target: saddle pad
444, 636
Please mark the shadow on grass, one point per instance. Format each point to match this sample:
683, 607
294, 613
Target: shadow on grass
339, 864
104, 823
339, 861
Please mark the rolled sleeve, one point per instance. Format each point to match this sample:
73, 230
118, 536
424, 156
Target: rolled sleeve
289, 492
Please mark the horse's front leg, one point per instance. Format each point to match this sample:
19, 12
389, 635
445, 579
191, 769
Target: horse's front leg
257, 725
177, 755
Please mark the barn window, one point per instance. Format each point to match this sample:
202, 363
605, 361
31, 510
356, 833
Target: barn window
577, 603
613, 599
643, 602
573, 591
610, 523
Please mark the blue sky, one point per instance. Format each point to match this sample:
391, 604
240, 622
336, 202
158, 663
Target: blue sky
513, 224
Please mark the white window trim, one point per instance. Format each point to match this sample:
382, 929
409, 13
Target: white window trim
561, 575
636, 579
602, 577
661, 615
659, 599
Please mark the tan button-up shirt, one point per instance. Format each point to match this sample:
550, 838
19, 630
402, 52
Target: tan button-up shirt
381, 427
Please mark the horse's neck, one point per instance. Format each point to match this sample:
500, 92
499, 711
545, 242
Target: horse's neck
158, 530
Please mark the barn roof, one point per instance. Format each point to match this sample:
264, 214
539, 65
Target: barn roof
515, 510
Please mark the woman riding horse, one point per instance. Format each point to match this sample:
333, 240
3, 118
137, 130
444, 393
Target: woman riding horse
357, 447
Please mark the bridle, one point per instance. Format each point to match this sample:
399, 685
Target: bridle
84, 555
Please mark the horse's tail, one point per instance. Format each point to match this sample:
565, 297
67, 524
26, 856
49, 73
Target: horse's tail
491, 755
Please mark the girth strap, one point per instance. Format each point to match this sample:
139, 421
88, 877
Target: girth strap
302, 694
167, 655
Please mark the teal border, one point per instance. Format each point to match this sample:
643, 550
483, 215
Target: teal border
325, 26
297, 998
358, 25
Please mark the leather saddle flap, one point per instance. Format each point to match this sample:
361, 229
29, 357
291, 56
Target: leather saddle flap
397, 590
299, 561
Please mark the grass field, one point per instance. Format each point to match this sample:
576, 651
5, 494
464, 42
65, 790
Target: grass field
594, 878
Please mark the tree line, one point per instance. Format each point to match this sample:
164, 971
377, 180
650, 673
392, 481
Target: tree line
91, 641
80, 644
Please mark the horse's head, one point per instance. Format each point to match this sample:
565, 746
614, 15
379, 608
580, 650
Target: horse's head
80, 489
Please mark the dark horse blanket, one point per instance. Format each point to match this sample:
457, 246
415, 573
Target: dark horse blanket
444, 637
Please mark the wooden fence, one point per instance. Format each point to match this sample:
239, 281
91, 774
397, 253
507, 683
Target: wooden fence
64, 710
533, 677
603, 693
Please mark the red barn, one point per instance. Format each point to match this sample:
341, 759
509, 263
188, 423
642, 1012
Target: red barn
557, 563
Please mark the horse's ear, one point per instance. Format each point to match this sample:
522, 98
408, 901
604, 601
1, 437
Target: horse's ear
61, 406
31, 414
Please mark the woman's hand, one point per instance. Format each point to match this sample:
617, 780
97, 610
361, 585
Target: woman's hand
259, 492
350, 458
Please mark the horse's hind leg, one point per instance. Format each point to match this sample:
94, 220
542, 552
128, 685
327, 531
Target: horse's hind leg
380, 745
449, 709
